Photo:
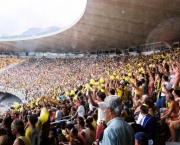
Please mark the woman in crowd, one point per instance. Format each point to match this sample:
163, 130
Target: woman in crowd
68, 84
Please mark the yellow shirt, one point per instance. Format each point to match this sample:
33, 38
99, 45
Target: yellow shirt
119, 92
158, 86
94, 123
39, 125
25, 139
28, 132
168, 104
133, 92
125, 92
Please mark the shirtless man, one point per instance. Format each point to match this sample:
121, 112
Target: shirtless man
174, 107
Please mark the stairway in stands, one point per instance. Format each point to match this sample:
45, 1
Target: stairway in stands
11, 66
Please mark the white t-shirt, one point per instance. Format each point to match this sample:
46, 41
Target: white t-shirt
90, 106
81, 111
100, 111
168, 87
140, 117
58, 115
171, 77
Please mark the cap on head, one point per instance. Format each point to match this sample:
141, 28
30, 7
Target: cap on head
141, 137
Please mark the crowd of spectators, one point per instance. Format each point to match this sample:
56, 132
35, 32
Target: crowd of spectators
7, 61
102, 100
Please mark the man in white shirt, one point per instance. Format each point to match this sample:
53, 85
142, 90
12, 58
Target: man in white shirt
90, 106
97, 100
58, 115
172, 75
80, 111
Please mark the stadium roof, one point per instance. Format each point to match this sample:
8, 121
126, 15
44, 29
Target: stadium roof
108, 24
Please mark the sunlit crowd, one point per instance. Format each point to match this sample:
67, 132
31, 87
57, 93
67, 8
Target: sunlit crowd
104, 100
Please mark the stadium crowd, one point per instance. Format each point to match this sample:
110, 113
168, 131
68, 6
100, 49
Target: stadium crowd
106, 101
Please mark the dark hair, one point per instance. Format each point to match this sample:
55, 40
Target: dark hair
144, 109
101, 95
19, 125
85, 116
177, 92
3, 131
80, 118
80, 88
7, 122
165, 77
143, 81
137, 95
129, 118
89, 125
137, 128
74, 132
112, 91
79, 94
90, 119
69, 126
166, 66
159, 74
5, 140
54, 131
82, 123
149, 102
139, 83
141, 74
48, 105
126, 102
95, 116
33, 119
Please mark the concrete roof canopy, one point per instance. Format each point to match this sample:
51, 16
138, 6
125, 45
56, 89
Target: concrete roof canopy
108, 24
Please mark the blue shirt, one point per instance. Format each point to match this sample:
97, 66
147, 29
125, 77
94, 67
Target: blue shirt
149, 123
118, 132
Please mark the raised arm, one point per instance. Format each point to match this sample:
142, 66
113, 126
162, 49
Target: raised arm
91, 99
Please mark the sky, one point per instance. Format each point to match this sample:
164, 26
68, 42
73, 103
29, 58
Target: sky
17, 16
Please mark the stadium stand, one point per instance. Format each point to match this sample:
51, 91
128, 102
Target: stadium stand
57, 90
